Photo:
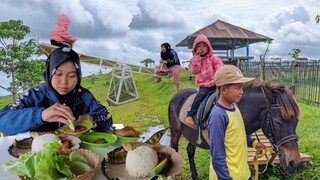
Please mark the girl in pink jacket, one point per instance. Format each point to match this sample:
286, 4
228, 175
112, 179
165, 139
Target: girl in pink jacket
59, 36
203, 65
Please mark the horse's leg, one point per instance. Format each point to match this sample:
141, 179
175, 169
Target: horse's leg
175, 137
191, 151
175, 124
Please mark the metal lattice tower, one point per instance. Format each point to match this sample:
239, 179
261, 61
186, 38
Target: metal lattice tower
122, 88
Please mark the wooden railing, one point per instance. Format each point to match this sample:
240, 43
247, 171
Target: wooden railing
305, 75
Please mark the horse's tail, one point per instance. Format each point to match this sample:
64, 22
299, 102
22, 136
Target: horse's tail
174, 109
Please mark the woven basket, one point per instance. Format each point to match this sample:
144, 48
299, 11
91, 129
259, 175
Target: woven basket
91, 156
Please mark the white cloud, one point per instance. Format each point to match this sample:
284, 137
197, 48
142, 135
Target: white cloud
133, 30
112, 14
293, 27
157, 14
289, 15
299, 33
75, 9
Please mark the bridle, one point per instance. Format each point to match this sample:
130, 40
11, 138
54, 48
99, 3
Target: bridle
268, 129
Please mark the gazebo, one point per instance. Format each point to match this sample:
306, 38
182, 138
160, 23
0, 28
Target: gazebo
226, 38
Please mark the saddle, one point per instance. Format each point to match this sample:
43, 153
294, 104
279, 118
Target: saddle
201, 118
204, 110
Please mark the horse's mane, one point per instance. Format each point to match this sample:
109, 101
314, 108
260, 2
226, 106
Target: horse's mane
289, 107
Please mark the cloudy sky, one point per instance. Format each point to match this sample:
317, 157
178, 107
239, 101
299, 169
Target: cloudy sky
132, 30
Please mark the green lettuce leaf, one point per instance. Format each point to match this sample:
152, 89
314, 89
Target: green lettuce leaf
45, 164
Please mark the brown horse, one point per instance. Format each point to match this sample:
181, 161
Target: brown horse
263, 105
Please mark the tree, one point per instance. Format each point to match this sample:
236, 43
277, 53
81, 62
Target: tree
294, 55
16, 57
263, 58
318, 19
148, 61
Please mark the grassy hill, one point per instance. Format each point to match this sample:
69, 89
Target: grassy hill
151, 109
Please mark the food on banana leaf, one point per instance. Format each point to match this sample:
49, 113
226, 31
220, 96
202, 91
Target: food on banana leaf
100, 141
117, 156
23, 144
127, 131
153, 134
155, 138
77, 129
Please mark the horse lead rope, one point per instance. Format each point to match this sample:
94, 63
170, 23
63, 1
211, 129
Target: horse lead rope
259, 154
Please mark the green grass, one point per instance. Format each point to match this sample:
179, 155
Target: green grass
4, 100
152, 109
309, 140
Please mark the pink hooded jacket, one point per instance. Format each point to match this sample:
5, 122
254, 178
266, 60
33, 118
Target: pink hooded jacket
60, 32
204, 68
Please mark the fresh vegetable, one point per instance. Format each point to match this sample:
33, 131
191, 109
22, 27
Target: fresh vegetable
76, 156
158, 168
47, 164
162, 167
72, 124
79, 167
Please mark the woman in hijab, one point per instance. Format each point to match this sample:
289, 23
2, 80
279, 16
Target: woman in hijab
61, 98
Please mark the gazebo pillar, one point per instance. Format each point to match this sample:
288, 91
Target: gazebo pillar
247, 55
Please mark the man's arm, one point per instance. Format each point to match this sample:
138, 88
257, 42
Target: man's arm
218, 123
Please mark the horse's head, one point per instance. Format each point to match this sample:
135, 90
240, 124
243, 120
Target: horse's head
280, 120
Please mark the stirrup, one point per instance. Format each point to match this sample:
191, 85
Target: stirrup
199, 141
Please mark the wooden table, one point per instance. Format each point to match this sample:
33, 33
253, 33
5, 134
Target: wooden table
263, 160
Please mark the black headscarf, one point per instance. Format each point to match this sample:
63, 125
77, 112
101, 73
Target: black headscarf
55, 59
165, 55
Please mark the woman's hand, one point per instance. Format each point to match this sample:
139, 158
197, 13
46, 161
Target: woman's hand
57, 113
85, 117
163, 61
89, 118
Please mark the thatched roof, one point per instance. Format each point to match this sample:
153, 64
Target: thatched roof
225, 36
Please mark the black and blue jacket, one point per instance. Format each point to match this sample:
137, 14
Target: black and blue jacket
170, 55
25, 114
